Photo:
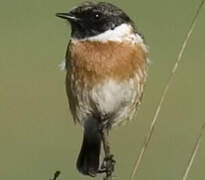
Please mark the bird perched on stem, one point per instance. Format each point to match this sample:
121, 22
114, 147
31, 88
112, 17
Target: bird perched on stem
106, 64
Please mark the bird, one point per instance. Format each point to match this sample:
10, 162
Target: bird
106, 70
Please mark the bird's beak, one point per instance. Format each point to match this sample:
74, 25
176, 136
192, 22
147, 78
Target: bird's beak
68, 16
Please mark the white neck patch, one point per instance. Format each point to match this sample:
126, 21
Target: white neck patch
119, 34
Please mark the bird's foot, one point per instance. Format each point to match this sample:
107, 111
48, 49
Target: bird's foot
108, 165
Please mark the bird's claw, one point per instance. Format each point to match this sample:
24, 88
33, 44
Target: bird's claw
108, 165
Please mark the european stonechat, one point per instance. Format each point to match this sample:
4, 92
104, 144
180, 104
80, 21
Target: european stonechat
106, 64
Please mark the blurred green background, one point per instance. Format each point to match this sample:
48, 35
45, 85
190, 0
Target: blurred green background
37, 134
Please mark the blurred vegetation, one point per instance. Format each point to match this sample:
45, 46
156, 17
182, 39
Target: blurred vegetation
37, 134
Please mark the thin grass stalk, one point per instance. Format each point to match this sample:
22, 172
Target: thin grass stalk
164, 93
194, 153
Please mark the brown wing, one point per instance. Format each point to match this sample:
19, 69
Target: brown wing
68, 83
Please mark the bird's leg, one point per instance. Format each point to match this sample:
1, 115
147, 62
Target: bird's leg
108, 162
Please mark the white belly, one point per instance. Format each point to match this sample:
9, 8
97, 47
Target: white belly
111, 98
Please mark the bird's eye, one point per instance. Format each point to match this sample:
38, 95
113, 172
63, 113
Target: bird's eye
97, 16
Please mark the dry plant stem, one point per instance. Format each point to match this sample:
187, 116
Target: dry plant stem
193, 154
106, 147
164, 93
56, 175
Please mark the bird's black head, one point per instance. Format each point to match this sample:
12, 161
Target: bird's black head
93, 18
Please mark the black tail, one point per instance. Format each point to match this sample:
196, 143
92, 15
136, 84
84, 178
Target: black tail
88, 159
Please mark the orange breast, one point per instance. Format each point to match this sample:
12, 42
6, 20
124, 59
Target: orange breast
94, 62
